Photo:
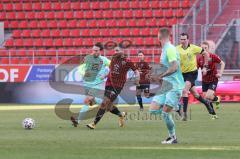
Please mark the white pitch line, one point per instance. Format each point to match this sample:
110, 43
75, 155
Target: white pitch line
210, 148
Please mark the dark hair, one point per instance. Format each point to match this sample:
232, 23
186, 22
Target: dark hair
185, 34
100, 45
140, 52
164, 32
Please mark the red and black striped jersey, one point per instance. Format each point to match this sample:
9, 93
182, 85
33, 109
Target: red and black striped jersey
144, 69
212, 68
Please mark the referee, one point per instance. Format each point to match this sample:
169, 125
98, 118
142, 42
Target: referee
188, 61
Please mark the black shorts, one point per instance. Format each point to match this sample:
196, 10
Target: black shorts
144, 87
207, 86
112, 93
191, 77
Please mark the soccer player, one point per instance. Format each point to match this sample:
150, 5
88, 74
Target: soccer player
94, 70
188, 53
116, 79
169, 100
210, 80
144, 69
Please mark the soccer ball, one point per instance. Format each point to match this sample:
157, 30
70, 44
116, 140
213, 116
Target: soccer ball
28, 123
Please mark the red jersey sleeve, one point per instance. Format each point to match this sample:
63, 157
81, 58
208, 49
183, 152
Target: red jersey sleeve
131, 65
216, 58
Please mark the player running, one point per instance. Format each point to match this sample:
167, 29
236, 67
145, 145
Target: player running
116, 79
188, 53
171, 60
210, 80
144, 69
95, 71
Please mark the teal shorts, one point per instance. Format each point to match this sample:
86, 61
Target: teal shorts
170, 98
93, 89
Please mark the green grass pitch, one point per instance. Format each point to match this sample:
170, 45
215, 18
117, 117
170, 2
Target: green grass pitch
53, 138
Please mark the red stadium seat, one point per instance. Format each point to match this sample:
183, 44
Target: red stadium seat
18, 42
20, 15
14, 25
9, 43
151, 22
85, 32
98, 14
132, 23
38, 42
40, 15
141, 22
122, 23
118, 14
88, 42
148, 13
127, 13
114, 32
8, 7
50, 15
154, 31
58, 42
145, 32
102, 23
111, 23
48, 42
25, 60
33, 24
136, 32
28, 42
17, 34
56, 6
107, 14
56, 33
59, 15
52, 24
92, 23
124, 4
95, 5
158, 13
105, 32
2, 15
172, 22
26, 33
72, 24
95, 33
69, 15
18, 6
36, 33
89, 14
14, 60
105, 5
45, 33
156, 4
169, 13
23, 25
1, 7
11, 15
149, 41
179, 13
138, 41
186, 4
125, 32
76, 5
75, 33
66, 5
165, 4
138, 14
47, 6
68, 42
174, 4
37, 6
134, 4
27, 6
85, 5
115, 4
4, 60
145, 4
77, 42
162, 22
30, 15
79, 14
82, 24
44, 24
65, 33
62, 24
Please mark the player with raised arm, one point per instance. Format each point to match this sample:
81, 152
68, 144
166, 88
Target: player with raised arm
94, 70
116, 79
188, 53
210, 80
144, 69
173, 75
